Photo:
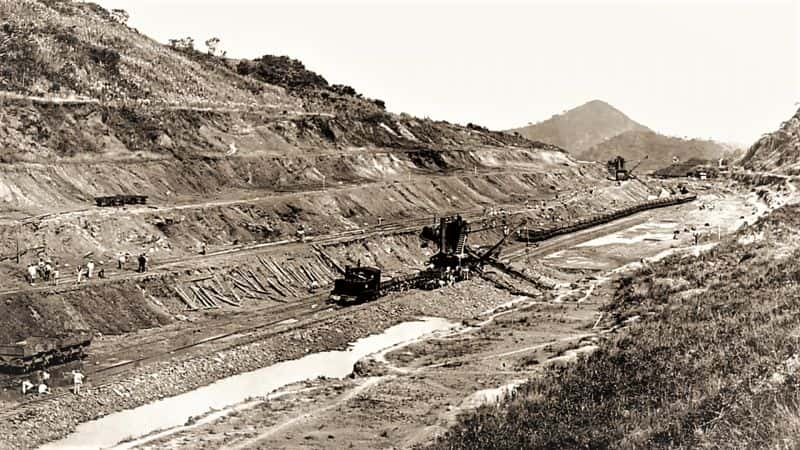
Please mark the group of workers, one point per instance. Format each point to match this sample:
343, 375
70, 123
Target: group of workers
44, 270
48, 272
141, 259
42, 385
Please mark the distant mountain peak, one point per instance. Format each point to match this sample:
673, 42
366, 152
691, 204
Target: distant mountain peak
582, 127
598, 131
597, 103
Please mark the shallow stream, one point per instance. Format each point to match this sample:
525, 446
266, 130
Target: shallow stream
175, 411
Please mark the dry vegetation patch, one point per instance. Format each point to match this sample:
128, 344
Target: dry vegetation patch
710, 364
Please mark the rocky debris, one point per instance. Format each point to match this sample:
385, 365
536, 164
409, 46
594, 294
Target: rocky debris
368, 367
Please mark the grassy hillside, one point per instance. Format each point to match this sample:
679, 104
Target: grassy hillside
77, 84
660, 149
581, 128
64, 48
712, 363
777, 151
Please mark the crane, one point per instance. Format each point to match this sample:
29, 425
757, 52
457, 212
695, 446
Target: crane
630, 172
618, 171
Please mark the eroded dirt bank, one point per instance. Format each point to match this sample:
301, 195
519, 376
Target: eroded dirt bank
117, 308
228, 202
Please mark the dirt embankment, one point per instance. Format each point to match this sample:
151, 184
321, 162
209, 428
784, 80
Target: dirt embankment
776, 151
52, 187
108, 308
212, 200
244, 279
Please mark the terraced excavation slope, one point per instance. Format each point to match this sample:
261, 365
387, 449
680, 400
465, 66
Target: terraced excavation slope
232, 155
778, 151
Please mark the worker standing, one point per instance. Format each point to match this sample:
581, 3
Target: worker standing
89, 269
48, 272
32, 271
77, 382
121, 261
142, 263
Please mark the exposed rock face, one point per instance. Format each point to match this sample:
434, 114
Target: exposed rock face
778, 151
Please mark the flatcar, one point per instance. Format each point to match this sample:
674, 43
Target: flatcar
541, 234
39, 352
120, 200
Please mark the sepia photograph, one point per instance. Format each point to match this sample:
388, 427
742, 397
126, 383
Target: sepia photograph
399, 224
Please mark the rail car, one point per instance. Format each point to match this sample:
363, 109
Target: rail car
120, 200
39, 352
541, 234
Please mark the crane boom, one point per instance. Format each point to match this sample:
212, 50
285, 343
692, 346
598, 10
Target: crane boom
630, 172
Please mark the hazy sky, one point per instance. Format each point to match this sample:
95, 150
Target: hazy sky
728, 70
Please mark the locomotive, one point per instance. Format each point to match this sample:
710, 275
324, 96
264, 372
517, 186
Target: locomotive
360, 284
455, 261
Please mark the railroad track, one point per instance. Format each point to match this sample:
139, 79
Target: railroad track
293, 308
166, 266
297, 314
308, 305
301, 311
281, 325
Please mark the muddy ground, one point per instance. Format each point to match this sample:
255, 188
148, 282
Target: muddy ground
410, 394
